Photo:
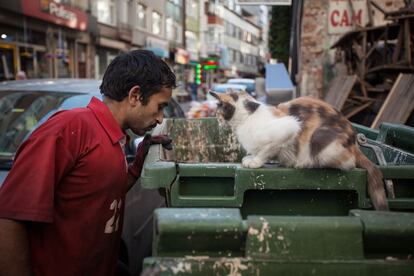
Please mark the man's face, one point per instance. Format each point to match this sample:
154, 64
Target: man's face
146, 117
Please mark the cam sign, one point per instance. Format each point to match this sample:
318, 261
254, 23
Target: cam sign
341, 19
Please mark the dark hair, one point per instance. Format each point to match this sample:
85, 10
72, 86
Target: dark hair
139, 67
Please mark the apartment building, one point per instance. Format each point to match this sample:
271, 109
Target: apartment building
234, 39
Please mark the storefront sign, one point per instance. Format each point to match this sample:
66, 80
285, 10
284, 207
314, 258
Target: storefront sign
181, 56
55, 12
265, 2
342, 18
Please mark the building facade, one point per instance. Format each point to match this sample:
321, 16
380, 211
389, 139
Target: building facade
46, 39
79, 38
234, 37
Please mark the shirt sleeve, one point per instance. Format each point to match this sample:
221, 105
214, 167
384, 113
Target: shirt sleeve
40, 163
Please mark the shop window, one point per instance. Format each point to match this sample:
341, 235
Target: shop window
7, 63
43, 69
27, 61
81, 55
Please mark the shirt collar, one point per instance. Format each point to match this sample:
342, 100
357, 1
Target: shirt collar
106, 119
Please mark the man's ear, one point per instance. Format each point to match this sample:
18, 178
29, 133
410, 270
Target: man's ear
134, 94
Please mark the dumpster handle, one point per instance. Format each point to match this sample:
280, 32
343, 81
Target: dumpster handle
363, 142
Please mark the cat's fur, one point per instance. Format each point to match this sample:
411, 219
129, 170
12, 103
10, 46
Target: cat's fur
302, 133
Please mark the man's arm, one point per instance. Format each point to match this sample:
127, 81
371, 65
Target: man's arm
14, 249
135, 168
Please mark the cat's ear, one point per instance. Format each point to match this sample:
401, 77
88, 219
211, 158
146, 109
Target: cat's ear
214, 94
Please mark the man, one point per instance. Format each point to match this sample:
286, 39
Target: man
260, 83
61, 206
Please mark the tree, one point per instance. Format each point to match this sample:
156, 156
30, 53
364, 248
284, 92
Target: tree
279, 33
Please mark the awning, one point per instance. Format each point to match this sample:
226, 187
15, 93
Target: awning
158, 51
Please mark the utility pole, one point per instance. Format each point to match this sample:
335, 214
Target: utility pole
184, 23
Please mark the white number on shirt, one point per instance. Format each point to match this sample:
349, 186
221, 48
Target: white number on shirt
112, 224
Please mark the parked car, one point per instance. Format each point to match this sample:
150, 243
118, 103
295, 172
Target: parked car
25, 105
224, 87
249, 83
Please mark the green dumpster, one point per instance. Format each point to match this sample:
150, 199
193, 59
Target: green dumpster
204, 170
201, 241
224, 219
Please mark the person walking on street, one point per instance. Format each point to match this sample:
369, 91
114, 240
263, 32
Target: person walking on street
261, 86
61, 205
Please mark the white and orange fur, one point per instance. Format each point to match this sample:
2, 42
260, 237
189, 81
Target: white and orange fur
302, 133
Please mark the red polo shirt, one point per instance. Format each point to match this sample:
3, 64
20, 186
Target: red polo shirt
70, 178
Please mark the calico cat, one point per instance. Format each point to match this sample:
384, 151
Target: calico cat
301, 133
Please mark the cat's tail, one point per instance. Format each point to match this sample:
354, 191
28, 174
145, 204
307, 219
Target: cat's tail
376, 189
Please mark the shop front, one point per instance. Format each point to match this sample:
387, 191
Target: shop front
46, 50
22, 49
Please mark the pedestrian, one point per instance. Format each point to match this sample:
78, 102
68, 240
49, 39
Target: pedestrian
21, 75
61, 205
260, 84
194, 91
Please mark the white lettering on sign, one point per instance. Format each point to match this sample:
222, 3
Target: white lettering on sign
342, 18
60, 11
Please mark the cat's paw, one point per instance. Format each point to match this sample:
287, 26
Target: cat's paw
252, 162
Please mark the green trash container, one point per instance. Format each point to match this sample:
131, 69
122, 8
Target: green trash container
217, 241
204, 170
224, 219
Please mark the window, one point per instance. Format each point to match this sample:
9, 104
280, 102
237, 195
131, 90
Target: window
237, 59
230, 29
191, 8
230, 55
142, 16
107, 11
170, 29
249, 37
173, 9
192, 41
156, 23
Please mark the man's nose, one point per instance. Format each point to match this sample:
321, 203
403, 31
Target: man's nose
160, 117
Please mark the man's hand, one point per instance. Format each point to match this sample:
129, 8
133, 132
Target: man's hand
135, 168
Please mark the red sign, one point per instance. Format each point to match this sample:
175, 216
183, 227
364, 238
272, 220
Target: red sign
181, 56
57, 13
345, 15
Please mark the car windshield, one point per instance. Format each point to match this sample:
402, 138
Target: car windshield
222, 88
22, 111
250, 84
